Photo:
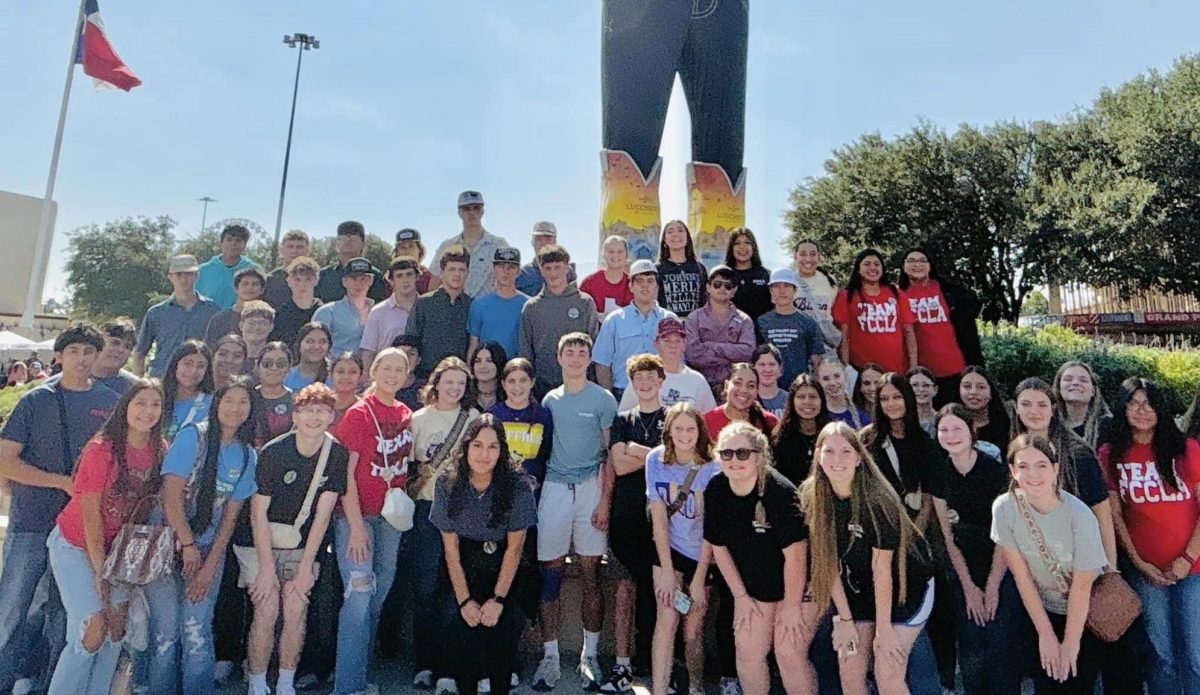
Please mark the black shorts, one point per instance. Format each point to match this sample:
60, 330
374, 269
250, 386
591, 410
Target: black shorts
686, 566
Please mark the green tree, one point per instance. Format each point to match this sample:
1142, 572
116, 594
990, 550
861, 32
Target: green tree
208, 243
119, 269
1036, 304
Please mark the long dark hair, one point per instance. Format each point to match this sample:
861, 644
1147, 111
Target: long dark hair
507, 474
856, 393
664, 253
790, 422
903, 280
854, 284
875, 433
1069, 445
499, 358
170, 382
996, 412
1168, 442
211, 431
323, 370
755, 415
116, 432
734, 236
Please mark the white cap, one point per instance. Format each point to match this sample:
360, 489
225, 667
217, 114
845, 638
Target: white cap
470, 198
545, 228
642, 266
785, 275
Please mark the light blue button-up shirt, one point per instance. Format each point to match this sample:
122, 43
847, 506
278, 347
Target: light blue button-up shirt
625, 333
344, 322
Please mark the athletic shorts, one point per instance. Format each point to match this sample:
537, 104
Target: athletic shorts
565, 520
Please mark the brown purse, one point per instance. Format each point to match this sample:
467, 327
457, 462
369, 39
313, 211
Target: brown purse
140, 553
1113, 605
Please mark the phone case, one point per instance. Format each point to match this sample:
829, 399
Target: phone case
683, 602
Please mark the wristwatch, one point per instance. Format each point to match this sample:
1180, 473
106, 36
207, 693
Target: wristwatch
498, 599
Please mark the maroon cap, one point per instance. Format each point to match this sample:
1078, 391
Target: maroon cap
668, 326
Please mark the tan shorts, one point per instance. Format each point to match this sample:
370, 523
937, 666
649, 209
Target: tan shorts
287, 563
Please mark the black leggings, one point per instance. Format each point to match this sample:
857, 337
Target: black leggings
1091, 656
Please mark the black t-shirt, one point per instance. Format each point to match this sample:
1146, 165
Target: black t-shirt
289, 319
753, 291
793, 453
918, 457
682, 287
757, 551
969, 501
997, 431
629, 490
855, 543
284, 475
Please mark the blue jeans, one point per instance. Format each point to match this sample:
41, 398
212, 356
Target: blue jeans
26, 560
922, 672
79, 671
176, 621
985, 654
1173, 623
367, 585
423, 560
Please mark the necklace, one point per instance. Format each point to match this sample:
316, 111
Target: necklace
651, 431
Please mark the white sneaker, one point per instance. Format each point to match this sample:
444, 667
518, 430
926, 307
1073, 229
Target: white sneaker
423, 680
730, 686
547, 674
484, 687
514, 681
446, 686
23, 686
589, 671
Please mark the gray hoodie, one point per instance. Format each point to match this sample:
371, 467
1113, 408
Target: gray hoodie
544, 320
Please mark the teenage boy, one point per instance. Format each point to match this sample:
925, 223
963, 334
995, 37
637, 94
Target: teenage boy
389, 318
439, 319
248, 286
719, 334
408, 243
497, 315
410, 391
530, 280
288, 495
350, 245
39, 445
215, 278
560, 308
635, 432
682, 383
255, 326
182, 316
346, 317
796, 335
630, 330
573, 512
120, 335
480, 245
301, 304
293, 245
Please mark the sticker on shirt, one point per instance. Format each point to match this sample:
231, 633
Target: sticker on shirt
877, 318
573, 313
667, 492
393, 449
928, 310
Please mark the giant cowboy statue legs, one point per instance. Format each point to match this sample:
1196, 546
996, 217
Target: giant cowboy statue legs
645, 43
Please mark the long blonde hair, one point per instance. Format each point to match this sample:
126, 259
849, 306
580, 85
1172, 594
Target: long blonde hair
704, 444
758, 442
870, 493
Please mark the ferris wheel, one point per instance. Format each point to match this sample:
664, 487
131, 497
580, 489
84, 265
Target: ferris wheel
253, 227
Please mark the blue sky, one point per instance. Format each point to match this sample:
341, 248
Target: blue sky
407, 103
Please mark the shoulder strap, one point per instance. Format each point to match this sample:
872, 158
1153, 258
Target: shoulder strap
682, 494
306, 507
459, 423
191, 416
1040, 541
379, 431
64, 430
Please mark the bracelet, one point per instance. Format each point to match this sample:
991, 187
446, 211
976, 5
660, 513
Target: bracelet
1190, 560
463, 604
839, 619
188, 545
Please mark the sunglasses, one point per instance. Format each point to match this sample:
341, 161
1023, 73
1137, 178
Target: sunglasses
742, 454
275, 364
722, 284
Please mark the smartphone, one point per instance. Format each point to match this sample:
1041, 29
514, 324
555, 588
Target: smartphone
683, 602
849, 651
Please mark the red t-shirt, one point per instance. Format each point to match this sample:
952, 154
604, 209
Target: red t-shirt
875, 327
937, 344
379, 455
1160, 520
97, 474
716, 419
604, 292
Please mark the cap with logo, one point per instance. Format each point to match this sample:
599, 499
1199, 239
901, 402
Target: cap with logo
642, 266
357, 266
407, 234
722, 270
671, 326
506, 255
786, 276
183, 263
470, 198
545, 228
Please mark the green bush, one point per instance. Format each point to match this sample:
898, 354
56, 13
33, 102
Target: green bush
9, 398
1016, 353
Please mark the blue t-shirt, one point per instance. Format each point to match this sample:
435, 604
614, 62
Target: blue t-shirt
119, 383
685, 528
580, 420
37, 426
529, 433
296, 381
491, 317
232, 481
798, 338
189, 411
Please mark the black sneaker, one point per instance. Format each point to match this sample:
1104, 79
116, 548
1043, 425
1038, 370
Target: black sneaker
620, 680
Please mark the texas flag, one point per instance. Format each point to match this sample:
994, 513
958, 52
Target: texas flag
97, 56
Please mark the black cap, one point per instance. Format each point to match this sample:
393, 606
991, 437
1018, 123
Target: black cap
507, 255
358, 266
407, 234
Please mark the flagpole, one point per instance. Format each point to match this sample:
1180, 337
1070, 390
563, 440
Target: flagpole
41, 253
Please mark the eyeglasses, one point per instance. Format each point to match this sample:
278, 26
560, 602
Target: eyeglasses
1143, 406
917, 261
722, 285
742, 454
275, 364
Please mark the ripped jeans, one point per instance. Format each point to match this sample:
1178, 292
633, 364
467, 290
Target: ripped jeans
367, 585
174, 620
80, 671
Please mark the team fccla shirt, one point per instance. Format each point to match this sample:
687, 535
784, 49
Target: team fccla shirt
875, 327
382, 454
937, 344
1160, 519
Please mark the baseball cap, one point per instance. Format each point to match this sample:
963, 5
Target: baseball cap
357, 266
183, 263
671, 326
784, 275
722, 270
545, 228
470, 198
642, 266
507, 255
407, 234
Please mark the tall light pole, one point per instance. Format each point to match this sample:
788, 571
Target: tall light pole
305, 42
204, 216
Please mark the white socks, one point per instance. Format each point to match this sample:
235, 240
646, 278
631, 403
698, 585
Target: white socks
591, 643
284, 684
258, 684
551, 648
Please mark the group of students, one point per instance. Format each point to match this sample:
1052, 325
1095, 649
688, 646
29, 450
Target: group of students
825, 466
